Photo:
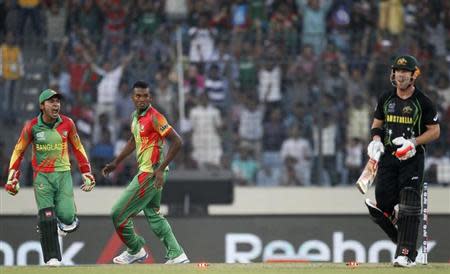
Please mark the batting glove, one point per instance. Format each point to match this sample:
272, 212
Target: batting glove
88, 182
12, 185
407, 148
375, 147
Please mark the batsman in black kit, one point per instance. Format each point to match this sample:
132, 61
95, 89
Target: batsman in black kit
404, 121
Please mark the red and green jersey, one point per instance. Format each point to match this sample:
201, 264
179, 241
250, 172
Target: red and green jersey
149, 129
50, 149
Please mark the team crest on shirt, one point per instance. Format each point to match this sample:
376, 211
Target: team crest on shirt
391, 107
40, 136
64, 133
141, 128
407, 110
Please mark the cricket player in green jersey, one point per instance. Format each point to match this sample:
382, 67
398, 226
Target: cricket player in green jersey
50, 133
149, 129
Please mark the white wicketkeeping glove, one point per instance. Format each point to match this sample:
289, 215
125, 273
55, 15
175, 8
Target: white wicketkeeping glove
407, 149
88, 182
375, 147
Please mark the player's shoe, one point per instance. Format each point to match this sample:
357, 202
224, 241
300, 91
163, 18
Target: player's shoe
403, 261
182, 259
53, 262
127, 258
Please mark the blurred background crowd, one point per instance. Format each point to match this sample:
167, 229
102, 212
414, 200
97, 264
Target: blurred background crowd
279, 92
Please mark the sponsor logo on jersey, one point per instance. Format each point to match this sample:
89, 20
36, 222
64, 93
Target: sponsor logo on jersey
40, 136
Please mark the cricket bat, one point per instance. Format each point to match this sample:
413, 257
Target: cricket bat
366, 178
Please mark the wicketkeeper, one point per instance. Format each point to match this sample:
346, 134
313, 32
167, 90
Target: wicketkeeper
50, 133
405, 120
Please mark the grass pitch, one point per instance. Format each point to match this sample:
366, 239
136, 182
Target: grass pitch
257, 268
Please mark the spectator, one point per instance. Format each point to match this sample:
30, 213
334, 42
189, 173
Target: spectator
391, 17
251, 125
206, 142
296, 153
358, 122
56, 18
202, 41
216, 87
269, 78
29, 8
194, 84
115, 14
60, 79
90, 19
124, 106
166, 98
268, 176
274, 135
245, 166
314, 23
240, 19
247, 67
176, 9
108, 87
291, 173
329, 134
11, 70
149, 18
354, 159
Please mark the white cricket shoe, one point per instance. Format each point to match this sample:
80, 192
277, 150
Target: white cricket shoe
403, 261
182, 259
53, 262
127, 258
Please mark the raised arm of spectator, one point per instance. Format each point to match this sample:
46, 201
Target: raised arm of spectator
127, 59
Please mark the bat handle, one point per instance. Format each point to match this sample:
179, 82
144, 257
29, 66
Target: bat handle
377, 156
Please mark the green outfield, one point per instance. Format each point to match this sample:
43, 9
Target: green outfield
259, 268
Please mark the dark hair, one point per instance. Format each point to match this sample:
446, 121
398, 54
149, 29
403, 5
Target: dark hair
140, 84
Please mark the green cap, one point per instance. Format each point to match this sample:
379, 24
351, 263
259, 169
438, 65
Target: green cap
47, 94
406, 62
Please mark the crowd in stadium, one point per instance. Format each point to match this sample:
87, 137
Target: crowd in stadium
280, 92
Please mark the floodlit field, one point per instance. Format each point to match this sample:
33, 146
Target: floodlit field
259, 268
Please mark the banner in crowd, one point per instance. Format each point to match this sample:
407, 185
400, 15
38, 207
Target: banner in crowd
231, 239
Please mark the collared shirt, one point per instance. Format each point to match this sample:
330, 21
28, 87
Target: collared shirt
149, 129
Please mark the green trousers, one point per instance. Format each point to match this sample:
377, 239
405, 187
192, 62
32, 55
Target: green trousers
141, 195
56, 190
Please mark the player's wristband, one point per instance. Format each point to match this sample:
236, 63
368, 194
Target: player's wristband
376, 131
